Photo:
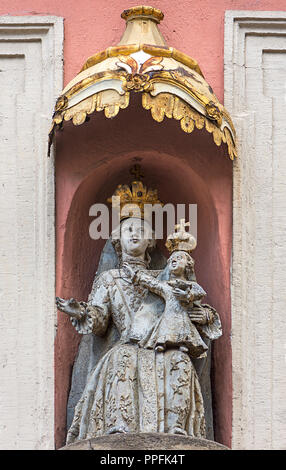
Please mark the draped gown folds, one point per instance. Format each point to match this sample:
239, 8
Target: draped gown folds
132, 388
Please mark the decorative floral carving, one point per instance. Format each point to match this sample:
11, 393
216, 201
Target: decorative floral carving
180, 413
123, 366
161, 105
111, 412
137, 82
61, 103
96, 422
139, 66
133, 67
213, 112
165, 104
181, 383
126, 406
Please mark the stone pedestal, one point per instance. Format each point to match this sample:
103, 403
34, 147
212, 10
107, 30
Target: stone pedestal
145, 441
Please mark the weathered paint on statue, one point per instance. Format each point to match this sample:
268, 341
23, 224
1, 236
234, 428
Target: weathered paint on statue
137, 386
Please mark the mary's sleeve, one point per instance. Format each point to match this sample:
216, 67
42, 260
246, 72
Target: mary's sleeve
147, 280
212, 330
97, 310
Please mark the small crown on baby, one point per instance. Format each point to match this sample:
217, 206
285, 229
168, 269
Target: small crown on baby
181, 240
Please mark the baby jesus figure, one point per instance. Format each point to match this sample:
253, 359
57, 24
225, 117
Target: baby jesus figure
174, 328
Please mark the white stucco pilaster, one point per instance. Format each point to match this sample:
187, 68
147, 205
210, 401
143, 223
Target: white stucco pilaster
30, 80
255, 95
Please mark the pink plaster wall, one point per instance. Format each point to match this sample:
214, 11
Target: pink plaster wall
203, 173
191, 26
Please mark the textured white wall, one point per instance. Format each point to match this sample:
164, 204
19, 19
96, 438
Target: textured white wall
255, 95
30, 80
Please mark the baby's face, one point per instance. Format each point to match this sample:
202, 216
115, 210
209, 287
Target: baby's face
178, 263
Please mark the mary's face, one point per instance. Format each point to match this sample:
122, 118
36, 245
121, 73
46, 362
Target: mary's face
135, 236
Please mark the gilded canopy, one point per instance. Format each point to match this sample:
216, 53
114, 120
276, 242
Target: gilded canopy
170, 82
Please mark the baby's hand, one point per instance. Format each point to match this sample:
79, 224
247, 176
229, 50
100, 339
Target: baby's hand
129, 271
180, 284
183, 295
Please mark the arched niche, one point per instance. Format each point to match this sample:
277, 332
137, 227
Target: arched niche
91, 160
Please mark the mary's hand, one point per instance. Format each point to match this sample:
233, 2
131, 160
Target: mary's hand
198, 315
128, 270
71, 307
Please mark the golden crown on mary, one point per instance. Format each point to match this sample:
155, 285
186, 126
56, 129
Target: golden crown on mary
133, 198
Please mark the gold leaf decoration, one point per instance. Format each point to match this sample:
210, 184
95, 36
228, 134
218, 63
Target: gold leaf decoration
215, 131
154, 63
231, 147
197, 118
161, 105
187, 124
137, 82
79, 118
77, 112
58, 117
214, 112
61, 103
112, 110
165, 104
108, 101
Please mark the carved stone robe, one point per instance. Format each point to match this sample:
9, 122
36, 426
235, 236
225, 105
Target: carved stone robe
133, 389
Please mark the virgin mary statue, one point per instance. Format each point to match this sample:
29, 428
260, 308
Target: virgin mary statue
132, 388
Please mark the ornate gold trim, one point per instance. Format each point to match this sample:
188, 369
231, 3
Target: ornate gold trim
137, 82
142, 82
108, 101
168, 88
95, 78
161, 105
165, 104
134, 196
143, 11
157, 51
